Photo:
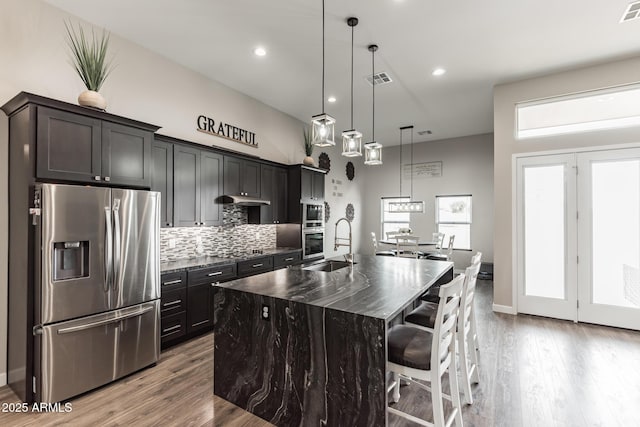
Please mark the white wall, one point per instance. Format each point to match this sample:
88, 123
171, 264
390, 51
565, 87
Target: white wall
339, 192
144, 86
505, 98
467, 168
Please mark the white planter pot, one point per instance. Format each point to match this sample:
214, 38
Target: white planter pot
90, 98
308, 161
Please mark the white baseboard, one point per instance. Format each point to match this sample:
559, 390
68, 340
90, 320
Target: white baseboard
3, 379
503, 309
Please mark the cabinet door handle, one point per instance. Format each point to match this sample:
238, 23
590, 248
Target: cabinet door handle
169, 304
257, 265
172, 282
288, 259
216, 273
106, 178
173, 328
96, 178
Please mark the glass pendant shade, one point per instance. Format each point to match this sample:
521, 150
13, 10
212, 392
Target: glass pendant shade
323, 130
372, 153
410, 207
351, 143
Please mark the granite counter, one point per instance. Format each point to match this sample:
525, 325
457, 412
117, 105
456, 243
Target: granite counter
300, 347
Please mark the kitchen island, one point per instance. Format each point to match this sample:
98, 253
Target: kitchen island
307, 346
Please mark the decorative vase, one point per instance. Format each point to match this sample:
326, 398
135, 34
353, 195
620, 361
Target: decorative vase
91, 98
308, 161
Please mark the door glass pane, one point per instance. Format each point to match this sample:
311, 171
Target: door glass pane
544, 231
616, 233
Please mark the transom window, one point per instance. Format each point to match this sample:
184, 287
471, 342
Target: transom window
453, 217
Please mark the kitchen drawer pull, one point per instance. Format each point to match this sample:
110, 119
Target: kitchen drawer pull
256, 265
173, 328
216, 273
167, 304
200, 323
172, 282
289, 259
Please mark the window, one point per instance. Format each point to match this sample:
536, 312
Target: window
594, 110
393, 221
453, 217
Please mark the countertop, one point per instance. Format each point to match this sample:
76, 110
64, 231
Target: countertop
212, 261
375, 286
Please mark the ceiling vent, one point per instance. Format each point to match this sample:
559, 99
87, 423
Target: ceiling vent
424, 132
379, 78
632, 12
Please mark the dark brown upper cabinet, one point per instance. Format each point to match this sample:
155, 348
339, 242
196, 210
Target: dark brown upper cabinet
273, 187
162, 179
306, 185
241, 177
312, 186
78, 148
197, 182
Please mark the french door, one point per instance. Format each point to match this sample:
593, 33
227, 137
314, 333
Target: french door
578, 219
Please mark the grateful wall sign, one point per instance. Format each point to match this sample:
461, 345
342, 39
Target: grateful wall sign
224, 130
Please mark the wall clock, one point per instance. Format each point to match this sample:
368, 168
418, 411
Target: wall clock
324, 162
350, 212
351, 171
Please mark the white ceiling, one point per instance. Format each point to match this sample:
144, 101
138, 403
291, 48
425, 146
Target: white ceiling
480, 43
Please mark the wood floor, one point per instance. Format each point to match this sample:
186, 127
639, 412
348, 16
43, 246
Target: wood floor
533, 372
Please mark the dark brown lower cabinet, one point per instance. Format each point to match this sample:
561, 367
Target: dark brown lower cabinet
199, 307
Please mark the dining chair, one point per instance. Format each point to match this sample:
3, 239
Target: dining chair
419, 356
375, 247
407, 246
444, 256
438, 238
424, 318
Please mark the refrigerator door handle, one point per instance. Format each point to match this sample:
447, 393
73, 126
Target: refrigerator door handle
104, 322
117, 243
108, 252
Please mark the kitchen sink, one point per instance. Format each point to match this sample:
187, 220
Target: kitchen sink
328, 266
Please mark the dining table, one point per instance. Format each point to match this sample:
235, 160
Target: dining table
420, 242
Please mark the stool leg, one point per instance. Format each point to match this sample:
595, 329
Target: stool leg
463, 351
455, 392
396, 388
436, 397
474, 348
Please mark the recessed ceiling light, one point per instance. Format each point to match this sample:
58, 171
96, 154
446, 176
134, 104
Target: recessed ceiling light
331, 99
260, 51
438, 71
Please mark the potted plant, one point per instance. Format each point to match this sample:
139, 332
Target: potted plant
89, 58
308, 147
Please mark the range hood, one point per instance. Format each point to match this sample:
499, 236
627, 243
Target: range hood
245, 201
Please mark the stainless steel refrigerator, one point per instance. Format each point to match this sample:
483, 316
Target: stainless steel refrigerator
97, 290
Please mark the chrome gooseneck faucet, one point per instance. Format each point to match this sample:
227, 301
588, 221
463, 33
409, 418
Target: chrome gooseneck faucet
348, 257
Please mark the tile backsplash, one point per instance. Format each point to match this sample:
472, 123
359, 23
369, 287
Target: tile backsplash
235, 235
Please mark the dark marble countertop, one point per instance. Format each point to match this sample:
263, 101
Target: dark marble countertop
212, 261
375, 286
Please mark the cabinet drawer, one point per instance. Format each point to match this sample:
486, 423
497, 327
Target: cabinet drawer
212, 274
255, 266
285, 260
173, 301
173, 326
170, 281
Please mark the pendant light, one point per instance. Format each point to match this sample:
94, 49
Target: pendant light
352, 139
373, 149
322, 125
411, 206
